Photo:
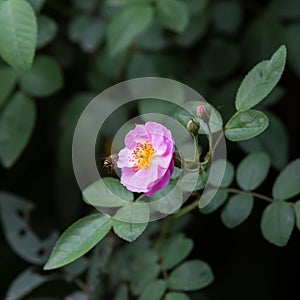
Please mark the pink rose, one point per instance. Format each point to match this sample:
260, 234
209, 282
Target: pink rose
147, 160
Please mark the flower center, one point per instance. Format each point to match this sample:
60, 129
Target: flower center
142, 156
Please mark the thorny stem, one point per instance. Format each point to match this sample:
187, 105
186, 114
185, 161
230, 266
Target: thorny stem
254, 194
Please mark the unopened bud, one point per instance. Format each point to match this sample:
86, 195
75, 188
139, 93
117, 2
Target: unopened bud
193, 127
204, 112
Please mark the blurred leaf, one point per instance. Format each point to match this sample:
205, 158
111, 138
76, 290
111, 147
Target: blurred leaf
7, 83
174, 250
267, 32
191, 276
92, 35
121, 293
287, 184
76, 295
86, 5
108, 66
152, 38
245, 125
37, 4
44, 79
260, 81
237, 210
47, 30
145, 270
128, 231
219, 59
268, 142
296, 207
20, 237
288, 9
176, 296
277, 223
16, 125
76, 268
24, 283
292, 39
126, 25
99, 260
18, 33
197, 7
167, 200
227, 16
174, 14
154, 290
143, 65
216, 199
253, 170
196, 28
107, 192
223, 173
78, 239
124, 2
276, 94
77, 25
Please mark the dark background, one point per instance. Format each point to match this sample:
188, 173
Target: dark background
246, 266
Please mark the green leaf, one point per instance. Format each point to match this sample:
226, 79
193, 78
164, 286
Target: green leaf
107, 192
18, 34
268, 142
16, 125
44, 79
133, 212
23, 241
154, 291
253, 170
128, 231
216, 199
167, 200
144, 269
78, 239
24, 283
7, 83
227, 16
191, 276
122, 293
174, 250
176, 296
173, 14
223, 173
47, 30
126, 25
245, 125
297, 213
287, 184
260, 81
277, 223
237, 210
37, 4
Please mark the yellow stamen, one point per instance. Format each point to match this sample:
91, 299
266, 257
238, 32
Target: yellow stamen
142, 156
